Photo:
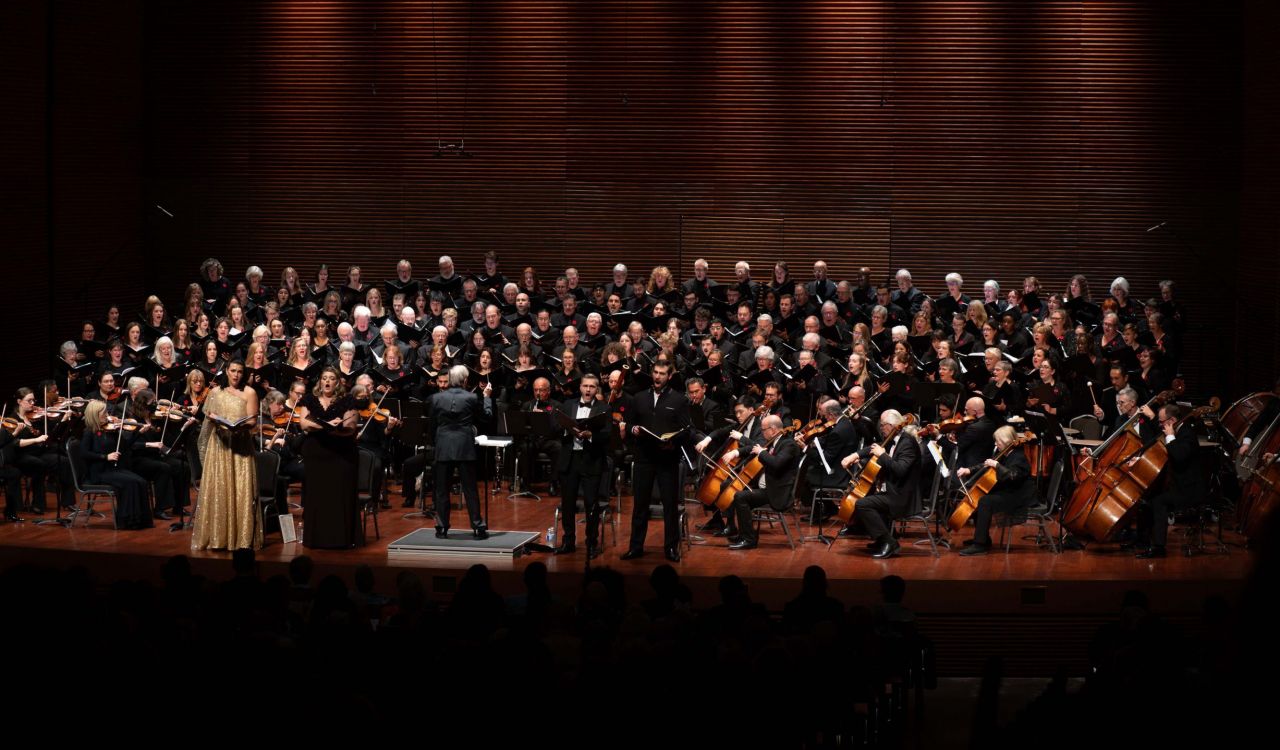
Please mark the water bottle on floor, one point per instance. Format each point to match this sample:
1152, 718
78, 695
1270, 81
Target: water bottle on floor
551, 536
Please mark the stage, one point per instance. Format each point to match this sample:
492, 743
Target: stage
1019, 603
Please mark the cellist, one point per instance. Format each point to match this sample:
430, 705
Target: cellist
1187, 484
1012, 490
899, 471
748, 434
780, 457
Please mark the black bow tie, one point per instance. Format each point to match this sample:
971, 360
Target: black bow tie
584, 406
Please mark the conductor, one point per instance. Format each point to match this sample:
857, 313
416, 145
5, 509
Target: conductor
456, 412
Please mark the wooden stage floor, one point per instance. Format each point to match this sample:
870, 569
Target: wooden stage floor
1038, 610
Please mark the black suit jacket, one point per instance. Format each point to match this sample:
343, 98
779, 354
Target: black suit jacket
594, 450
670, 413
900, 472
1184, 462
456, 415
780, 459
975, 444
1012, 475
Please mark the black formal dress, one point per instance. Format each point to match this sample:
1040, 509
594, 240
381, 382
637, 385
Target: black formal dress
10, 476
132, 511
330, 512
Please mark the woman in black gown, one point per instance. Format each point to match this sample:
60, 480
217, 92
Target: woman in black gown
329, 508
100, 450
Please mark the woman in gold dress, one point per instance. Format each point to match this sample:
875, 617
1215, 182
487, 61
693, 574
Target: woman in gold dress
227, 516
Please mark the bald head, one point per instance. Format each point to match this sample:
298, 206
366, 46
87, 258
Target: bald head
773, 420
975, 407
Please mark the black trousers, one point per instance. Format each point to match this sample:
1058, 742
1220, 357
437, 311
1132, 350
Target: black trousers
876, 513
744, 501
443, 473
40, 465
12, 478
577, 481
666, 475
169, 477
996, 502
412, 468
1153, 515
529, 454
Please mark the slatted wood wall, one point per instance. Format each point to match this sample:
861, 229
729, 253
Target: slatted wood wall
997, 139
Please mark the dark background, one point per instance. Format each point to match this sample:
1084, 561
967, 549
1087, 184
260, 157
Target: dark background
996, 139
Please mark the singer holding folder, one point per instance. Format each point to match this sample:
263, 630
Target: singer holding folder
227, 514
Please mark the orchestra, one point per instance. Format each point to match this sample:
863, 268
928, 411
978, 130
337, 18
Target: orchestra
682, 368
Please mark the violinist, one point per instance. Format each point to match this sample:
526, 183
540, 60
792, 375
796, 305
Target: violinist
146, 455
779, 457
974, 442
109, 394
373, 427
825, 451
282, 435
195, 392
11, 476
1187, 486
899, 473
99, 448
1012, 490
34, 455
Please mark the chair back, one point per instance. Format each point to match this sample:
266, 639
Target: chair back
1088, 425
364, 472
78, 469
268, 466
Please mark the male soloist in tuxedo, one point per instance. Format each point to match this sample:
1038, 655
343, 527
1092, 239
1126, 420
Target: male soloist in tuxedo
656, 411
583, 458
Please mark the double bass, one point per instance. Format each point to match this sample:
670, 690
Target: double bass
863, 484
1261, 491
1122, 472
981, 486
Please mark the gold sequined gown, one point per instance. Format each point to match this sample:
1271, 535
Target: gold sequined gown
226, 513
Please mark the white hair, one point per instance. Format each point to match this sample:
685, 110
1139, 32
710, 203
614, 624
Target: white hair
344, 328
742, 264
445, 259
891, 416
388, 327
991, 284
68, 347
346, 346
810, 338
764, 318
510, 285
136, 383
361, 311
596, 316
898, 333
155, 354
1121, 283
439, 329
252, 272
457, 376
765, 352
620, 268
829, 305
957, 278
256, 331
903, 274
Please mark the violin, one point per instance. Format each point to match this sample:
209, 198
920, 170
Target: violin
946, 426
115, 423
372, 411
13, 425
172, 411
285, 418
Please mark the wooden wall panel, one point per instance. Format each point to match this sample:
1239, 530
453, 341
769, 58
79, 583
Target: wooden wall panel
994, 139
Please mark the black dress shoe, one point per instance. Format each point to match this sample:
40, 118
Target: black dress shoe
846, 533
743, 544
710, 526
480, 532
566, 548
12, 518
886, 550
632, 554
967, 543
723, 533
672, 554
872, 546
975, 549
1151, 553
442, 532
164, 515
594, 551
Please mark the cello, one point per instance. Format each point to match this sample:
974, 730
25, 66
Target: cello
1239, 417
711, 490
743, 477
866, 479
982, 484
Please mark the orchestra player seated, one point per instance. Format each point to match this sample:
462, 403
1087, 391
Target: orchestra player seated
1013, 490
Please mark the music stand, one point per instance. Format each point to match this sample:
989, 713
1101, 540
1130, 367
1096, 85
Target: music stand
524, 426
